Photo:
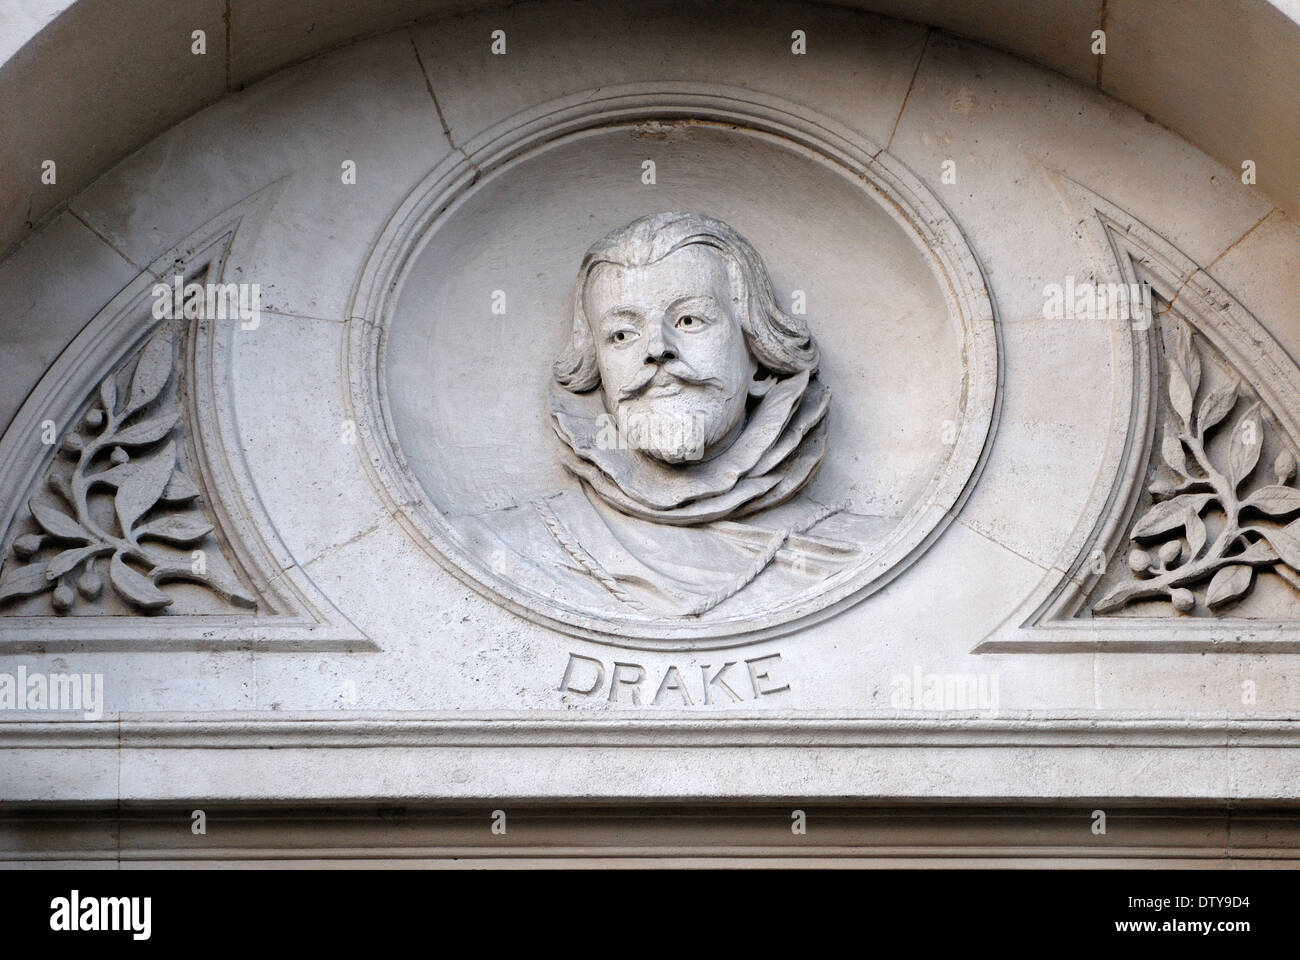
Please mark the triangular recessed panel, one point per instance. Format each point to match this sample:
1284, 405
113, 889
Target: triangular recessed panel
129, 519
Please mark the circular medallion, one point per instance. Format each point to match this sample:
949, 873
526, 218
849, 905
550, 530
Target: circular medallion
671, 369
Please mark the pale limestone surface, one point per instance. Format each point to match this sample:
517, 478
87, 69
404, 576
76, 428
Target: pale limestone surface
447, 649
135, 68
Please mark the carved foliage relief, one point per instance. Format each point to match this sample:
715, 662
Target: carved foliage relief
695, 481
118, 523
1222, 509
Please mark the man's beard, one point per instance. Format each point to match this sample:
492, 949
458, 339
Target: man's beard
672, 413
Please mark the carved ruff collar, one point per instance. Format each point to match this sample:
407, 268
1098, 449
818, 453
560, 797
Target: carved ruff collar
775, 455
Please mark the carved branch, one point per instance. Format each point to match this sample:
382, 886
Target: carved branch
1230, 576
140, 483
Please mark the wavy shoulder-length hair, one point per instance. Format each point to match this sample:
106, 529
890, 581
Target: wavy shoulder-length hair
779, 341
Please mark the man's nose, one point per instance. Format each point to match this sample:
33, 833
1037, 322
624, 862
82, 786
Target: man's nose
659, 347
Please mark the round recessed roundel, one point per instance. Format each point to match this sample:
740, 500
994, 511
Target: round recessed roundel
674, 374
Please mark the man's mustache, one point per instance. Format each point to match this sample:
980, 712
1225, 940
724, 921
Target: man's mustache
672, 370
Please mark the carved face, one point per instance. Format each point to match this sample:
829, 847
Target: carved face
674, 367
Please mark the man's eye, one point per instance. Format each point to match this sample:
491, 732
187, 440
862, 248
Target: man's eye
690, 322
622, 336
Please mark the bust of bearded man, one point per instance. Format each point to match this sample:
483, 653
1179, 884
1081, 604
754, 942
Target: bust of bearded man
686, 401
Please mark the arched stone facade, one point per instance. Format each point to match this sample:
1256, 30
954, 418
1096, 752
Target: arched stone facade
1047, 555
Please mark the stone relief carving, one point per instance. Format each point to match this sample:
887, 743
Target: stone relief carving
687, 397
117, 509
149, 515
1219, 515
704, 498
1192, 545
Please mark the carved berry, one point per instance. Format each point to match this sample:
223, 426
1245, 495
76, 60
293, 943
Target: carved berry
27, 545
90, 584
1139, 561
1284, 467
1170, 552
72, 443
63, 598
95, 419
119, 455
1182, 599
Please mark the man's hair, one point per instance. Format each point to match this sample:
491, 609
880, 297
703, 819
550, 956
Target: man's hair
779, 342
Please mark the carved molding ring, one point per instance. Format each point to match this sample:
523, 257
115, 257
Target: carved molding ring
640, 113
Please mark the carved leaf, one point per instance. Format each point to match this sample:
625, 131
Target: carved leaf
1217, 405
1243, 449
1228, 584
177, 529
148, 430
1184, 371
59, 484
24, 581
68, 560
1275, 500
108, 394
152, 371
227, 589
1115, 599
1170, 515
235, 594
1185, 352
1287, 544
134, 587
1195, 531
111, 477
1258, 551
1171, 448
142, 488
180, 488
57, 523
231, 591
1180, 393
